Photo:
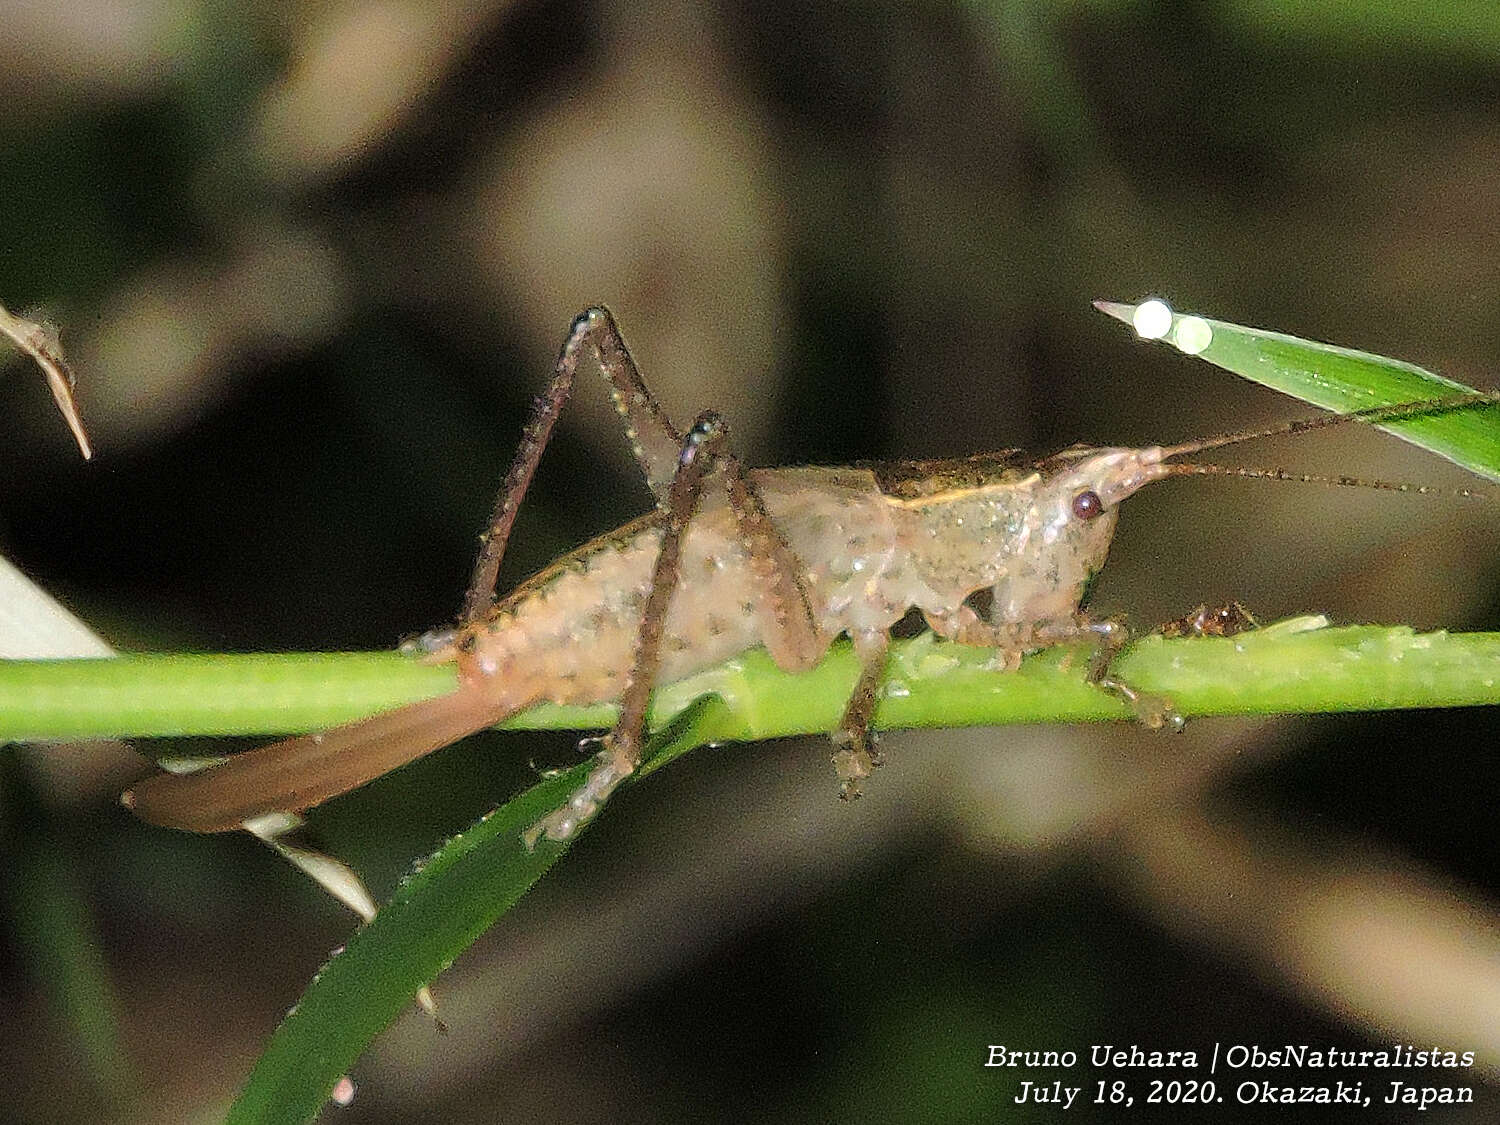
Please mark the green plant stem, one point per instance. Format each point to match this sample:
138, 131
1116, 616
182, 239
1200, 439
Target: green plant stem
1290, 667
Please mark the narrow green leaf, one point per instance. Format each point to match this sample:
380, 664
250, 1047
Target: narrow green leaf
1451, 30
1337, 379
439, 910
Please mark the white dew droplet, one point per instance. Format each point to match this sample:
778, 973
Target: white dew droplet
343, 1091
1152, 319
1193, 335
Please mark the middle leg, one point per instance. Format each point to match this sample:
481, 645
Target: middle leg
1110, 636
854, 753
1107, 635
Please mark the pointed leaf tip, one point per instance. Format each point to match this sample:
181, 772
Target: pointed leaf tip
1120, 310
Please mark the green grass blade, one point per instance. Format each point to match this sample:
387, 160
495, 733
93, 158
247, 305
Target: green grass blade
1341, 380
438, 912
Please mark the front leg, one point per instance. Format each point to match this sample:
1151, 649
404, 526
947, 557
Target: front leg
1110, 636
1012, 641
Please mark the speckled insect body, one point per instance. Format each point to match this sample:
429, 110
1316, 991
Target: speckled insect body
867, 555
788, 559
871, 547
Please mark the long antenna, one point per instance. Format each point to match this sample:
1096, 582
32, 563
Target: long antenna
1373, 414
1188, 468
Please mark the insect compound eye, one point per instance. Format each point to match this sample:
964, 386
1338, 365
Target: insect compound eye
1087, 505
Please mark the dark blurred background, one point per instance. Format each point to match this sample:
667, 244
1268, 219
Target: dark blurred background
312, 260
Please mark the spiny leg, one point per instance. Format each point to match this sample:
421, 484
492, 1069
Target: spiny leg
623, 744
653, 439
854, 754
789, 627
1109, 637
792, 635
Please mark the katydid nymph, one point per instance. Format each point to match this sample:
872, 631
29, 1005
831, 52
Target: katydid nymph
731, 559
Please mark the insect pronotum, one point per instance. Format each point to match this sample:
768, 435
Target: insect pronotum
730, 559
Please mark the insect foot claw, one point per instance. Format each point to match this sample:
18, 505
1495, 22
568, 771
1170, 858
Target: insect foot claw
853, 761
1152, 711
583, 804
1157, 713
